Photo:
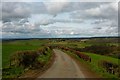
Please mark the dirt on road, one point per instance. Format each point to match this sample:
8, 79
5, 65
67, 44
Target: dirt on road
64, 67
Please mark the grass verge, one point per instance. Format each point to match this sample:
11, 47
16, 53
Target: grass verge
17, 71
93, 65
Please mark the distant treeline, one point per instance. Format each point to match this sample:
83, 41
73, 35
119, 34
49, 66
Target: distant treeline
77, 38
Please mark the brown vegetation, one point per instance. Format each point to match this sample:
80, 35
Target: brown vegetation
110, 67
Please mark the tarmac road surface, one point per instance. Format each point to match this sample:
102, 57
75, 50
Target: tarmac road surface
63, 67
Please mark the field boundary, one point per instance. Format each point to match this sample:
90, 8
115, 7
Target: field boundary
87, 74
37, 72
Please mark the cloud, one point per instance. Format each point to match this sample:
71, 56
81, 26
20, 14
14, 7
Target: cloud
100, 21
68, 20
18, 0
57, 19
56, 6
46, 19
24, 28
12, 10
41, 19
99, 12
104, 18
102, 11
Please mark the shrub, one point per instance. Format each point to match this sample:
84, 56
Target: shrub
83, 56
23, 58
110, 67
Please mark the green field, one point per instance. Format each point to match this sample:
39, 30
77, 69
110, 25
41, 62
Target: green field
111, 44
96, 58
93, 65
10, 47
0, 55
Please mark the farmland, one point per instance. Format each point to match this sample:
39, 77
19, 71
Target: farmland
95, 48
10, 47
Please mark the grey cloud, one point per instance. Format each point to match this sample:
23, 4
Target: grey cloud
13, 11
15, 18
74, 6
0, 11
59, 7
69, 20
99, 21
53, 21
24, 28
45, 22
23, 21
106, 16
102, 11
38, 8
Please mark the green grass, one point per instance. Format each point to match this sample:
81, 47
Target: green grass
12, 72
8, 48
45, 58
0, 59
96, 58
81, 44
0, 55
93, 65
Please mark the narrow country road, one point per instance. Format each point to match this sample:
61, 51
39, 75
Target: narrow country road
63, 67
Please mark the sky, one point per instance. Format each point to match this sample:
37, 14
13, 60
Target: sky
58, 19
